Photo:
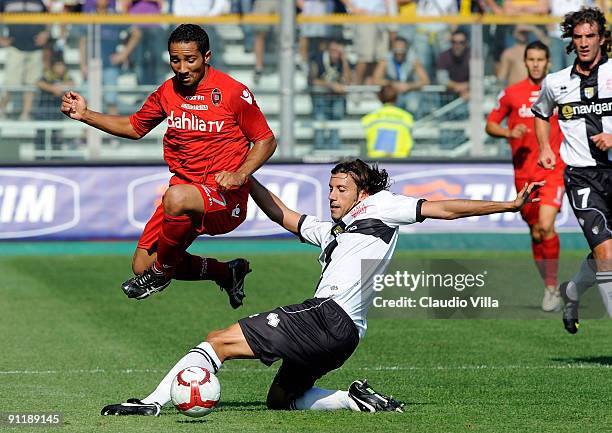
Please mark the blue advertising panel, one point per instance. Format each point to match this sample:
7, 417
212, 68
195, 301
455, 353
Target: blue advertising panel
72, 203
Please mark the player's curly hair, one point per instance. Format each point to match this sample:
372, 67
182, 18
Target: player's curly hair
368, 178
190, 33
589, 15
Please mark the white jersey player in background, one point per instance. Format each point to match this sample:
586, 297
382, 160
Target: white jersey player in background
319, 335
582, 93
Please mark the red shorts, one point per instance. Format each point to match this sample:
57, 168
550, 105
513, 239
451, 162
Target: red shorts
223, 212
551, 194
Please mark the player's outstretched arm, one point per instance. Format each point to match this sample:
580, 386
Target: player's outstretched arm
273, 207
453, 209
74, 106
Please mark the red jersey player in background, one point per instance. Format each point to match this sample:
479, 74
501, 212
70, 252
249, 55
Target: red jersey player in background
212, 121
515, 103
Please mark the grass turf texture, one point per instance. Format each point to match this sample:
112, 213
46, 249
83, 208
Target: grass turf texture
72, 343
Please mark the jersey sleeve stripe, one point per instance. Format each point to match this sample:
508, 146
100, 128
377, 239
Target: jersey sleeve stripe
299, 229
538, 115
420, 218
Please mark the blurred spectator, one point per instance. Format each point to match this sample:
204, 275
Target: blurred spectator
313, 35
525, 7
117, 42
91, 5
206, 8
430, 39
330, 72
403, 70
496, 34
151, 67
370, 40
24, 53
245, 7
558, 8
73, 6
453, 66
389, 128
512, 65
54, 82
406, 8
494, 7
262, 7
503, 35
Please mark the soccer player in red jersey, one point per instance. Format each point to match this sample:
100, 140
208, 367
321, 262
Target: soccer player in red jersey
515, 103
212, 121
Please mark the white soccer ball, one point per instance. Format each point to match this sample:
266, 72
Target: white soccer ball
195, 391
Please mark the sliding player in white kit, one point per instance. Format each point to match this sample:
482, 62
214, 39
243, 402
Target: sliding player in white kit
320, 334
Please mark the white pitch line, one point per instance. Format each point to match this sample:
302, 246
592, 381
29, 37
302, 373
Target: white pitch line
378, 368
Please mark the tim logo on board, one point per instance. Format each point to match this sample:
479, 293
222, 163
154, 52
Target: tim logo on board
36, 204
473, 182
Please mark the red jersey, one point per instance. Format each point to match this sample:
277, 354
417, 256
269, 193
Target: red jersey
210, 127
515, 102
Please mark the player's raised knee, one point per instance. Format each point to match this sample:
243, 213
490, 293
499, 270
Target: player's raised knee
215, 337
536, 233
176, 200
218, 339
547, 230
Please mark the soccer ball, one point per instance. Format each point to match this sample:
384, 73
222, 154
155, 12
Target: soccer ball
195, 391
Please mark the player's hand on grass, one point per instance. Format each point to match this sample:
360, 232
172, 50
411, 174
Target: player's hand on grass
525, 195
73, 105
227, 180
603, 141
547, 158
518, 131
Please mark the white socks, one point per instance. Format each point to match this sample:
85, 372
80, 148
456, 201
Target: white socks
203, 355
324, 399
604, 283
583, 280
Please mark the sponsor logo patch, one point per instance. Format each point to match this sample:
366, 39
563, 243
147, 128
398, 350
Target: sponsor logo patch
273, 320
567, 112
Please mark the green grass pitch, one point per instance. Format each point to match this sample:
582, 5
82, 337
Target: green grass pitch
71, 342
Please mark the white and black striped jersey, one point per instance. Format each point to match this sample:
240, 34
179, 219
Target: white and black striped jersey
585, 109
359, 246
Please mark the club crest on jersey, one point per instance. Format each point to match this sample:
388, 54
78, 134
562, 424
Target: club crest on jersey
215, 97
589, 92
337, 229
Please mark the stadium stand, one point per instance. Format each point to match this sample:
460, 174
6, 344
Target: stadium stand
440, 130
